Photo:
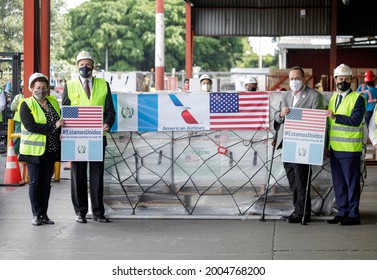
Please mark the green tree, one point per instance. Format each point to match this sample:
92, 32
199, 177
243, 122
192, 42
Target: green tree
127, 29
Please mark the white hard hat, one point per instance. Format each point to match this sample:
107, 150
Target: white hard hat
205, 77
84, 55
251, 80
342, 70
36, 76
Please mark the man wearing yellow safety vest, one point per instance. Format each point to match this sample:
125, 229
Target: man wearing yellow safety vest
87, 90
345, 140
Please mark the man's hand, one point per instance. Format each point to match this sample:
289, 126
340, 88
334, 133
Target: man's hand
106, 127
284, 111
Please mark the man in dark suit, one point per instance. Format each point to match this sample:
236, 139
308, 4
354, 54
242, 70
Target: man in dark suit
299, 175
87, 90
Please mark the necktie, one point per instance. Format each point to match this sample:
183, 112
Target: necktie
87, 89
339, 101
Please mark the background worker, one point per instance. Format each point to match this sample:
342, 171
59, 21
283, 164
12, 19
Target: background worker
299, 175
87, 90
16, 117
345, 143
205, 83
370, 93
251, 84
40, 144
364, 86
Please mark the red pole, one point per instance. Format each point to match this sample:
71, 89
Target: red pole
45, 38
333, 48
160, 45
189, 42
29, 42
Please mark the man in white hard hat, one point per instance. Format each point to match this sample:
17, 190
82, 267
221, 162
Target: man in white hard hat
345, 143
87, 90
205, 83
251, 84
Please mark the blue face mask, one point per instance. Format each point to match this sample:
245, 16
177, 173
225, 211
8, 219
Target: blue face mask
85, 72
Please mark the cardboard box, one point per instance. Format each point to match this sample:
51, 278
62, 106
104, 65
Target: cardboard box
279, 78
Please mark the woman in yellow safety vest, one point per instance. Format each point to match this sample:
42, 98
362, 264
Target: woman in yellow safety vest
40, 144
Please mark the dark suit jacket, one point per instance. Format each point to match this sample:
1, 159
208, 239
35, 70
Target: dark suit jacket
309, 98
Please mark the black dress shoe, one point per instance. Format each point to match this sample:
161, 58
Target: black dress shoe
350, 222
101, 219
46, 220
298, 219
36, 221
81, 219
336, 220
290, 216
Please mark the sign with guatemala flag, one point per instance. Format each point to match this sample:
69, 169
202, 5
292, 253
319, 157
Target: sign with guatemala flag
82, 133
304, 136
191, 111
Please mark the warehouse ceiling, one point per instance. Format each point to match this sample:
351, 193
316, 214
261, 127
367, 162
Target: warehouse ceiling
278, 18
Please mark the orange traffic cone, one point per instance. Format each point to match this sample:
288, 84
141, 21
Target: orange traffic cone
12, 169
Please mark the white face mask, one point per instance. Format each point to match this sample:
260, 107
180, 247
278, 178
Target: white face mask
206, 87
295, 85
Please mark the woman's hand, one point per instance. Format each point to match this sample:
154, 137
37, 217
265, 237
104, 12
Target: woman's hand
59, 123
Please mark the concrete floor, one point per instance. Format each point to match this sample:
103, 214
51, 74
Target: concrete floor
178, 239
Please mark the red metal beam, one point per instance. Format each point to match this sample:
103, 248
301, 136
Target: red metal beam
29, 42
36, 39
333, 50
189, 42
45, 38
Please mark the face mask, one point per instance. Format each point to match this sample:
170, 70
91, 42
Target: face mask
85, 72
206, 88
295, 85
251, 89
39, 93
343, 86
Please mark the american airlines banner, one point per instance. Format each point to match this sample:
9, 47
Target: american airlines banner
304, 136
191, 111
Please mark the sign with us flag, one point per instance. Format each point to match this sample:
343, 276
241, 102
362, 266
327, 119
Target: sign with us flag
191, 111
82, 133
304, 136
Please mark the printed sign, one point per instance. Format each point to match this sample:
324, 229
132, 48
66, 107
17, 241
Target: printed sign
304, 136
82, 133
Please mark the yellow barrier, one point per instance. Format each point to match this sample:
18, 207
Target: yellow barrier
11, 135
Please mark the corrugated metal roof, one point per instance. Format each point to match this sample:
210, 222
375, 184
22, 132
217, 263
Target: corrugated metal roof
282, 17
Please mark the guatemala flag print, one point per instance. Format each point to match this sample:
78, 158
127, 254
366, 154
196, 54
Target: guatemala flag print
191, 111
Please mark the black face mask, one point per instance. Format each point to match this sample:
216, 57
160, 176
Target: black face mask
343, 86
85, 72
251, 89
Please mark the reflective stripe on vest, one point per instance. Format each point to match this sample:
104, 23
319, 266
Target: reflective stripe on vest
34, 144
342, 137
370, 97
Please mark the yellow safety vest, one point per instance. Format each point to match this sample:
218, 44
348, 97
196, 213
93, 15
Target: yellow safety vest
345, 138
16, 116
34, 144
78, 97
